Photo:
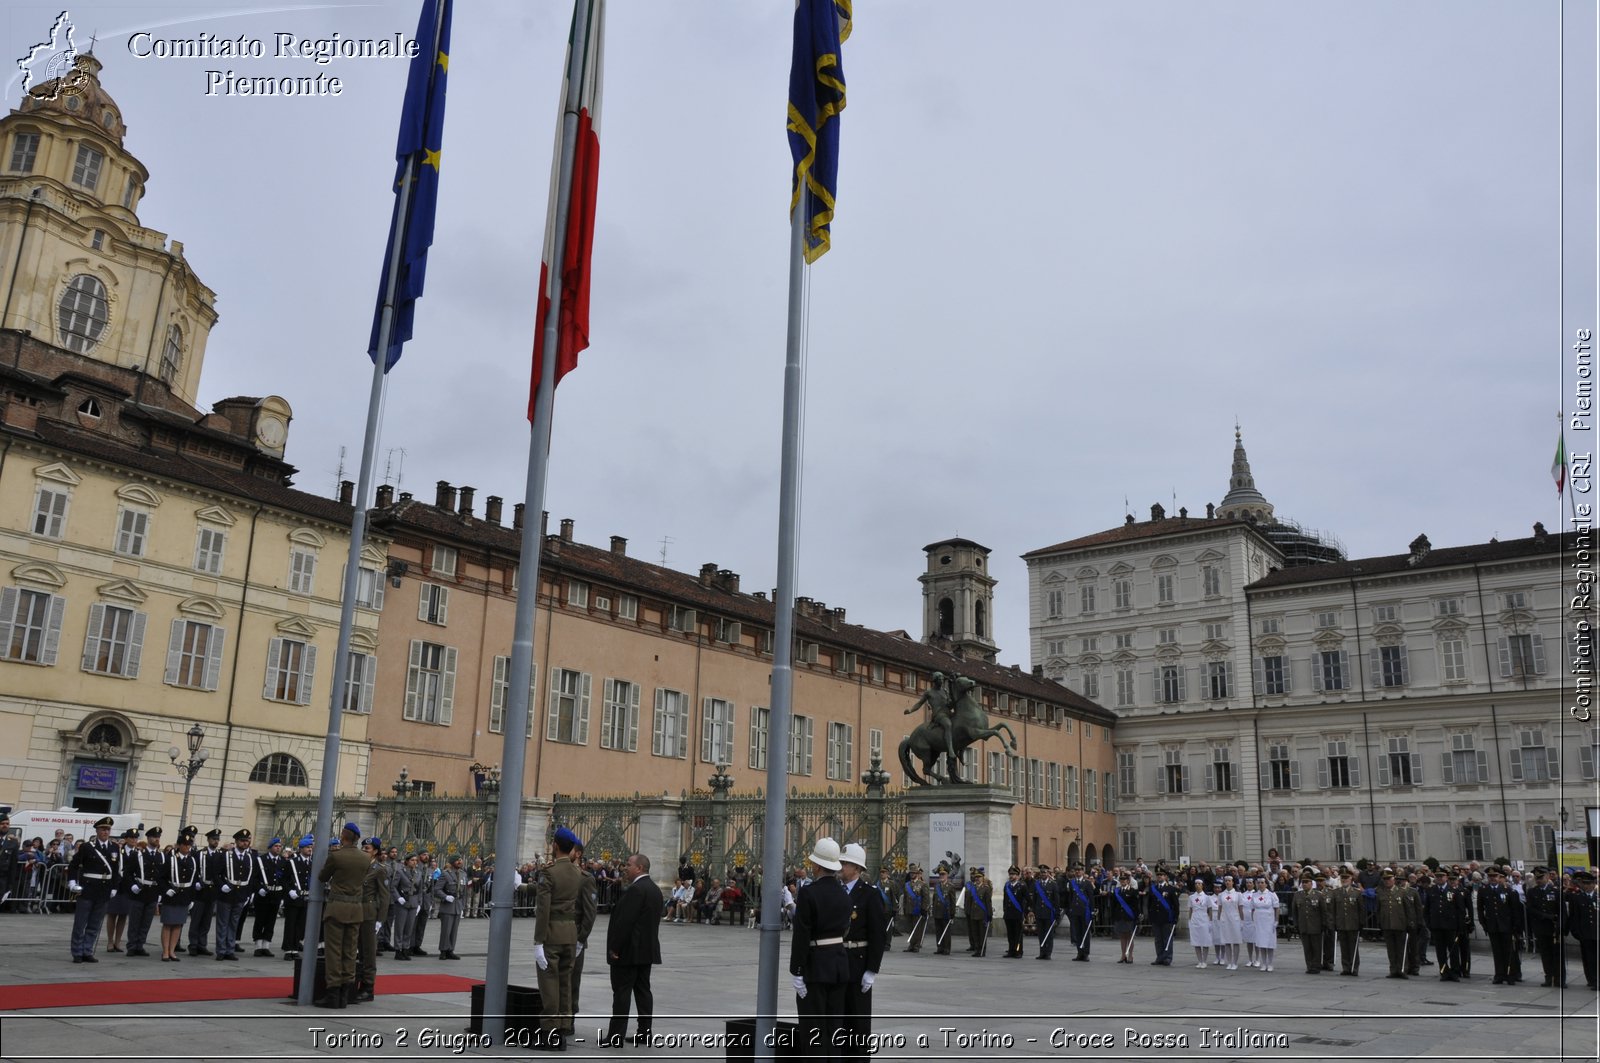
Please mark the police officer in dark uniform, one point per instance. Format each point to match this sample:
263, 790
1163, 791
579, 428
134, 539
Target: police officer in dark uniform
204, 908
271, 864
1464, 934
1078, 899
941, 909
1161, 908
1544, 903
865, 943
296, 886
238, 880
1500, 913
92, 879
818, 960
141, 881
1014, 909
1046, 910
1584, 925
1444, 908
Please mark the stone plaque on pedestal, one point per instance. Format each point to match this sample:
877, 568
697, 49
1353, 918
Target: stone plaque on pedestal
978, 818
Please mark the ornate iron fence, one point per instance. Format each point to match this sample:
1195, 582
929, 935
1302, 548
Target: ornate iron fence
444, 826
607, 823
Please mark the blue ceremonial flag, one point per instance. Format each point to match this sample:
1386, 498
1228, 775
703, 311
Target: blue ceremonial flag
816, 96
421, 138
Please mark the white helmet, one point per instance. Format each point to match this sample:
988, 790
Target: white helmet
854, 854
826, 854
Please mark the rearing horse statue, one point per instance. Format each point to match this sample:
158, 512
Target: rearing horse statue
969, 725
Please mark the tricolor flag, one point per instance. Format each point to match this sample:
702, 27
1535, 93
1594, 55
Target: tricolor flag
1558, 468
816, 96
417, 151
573, 331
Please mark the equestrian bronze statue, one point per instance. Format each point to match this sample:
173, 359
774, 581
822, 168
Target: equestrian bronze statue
958, 721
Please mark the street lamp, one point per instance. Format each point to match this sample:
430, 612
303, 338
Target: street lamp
189, 768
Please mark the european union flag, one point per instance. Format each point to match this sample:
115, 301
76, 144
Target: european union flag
816, 96
421, 138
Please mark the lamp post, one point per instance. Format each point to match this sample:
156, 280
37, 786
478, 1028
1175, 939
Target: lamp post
402, 790
189, 768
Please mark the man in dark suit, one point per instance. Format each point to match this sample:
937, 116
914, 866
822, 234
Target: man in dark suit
633, 946
865, 943
817, 956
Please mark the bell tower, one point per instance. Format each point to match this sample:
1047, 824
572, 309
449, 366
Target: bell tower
958, 598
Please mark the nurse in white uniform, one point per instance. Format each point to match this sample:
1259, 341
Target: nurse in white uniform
1202, 906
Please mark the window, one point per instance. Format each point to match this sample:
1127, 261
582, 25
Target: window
361, 678
1219, 773
1329, 669
1086, 599
302, 569
1211, 581
1053, 782
1271, 626
1217, 673
1447, 607
1385, 614
1343, 845
194, 655
1053, 604
1472, 847
1164, 589
24, 151
30, 625
1589, 755
1514, 600
369, 588
840, 744
1400, 766
1389, 666
499, 696
1282, 773
279, 769
82, 313
1532, 760
1167, 636
1055, 647
1174, 777
1283, 841
444, 561
997, 769
1035, 781
1015, 768
1216, 632
1069, 786
1327, 620
1224, 844
1125, 773
1453, 658
1111, 792
619, 721
716, 731
1339, 770
50, 511
568, 719
172, 354
1088, 731
1122, 593
131, 191
876, 669
1124, 687
1272, 675
800, 745
1175, 845
1169, 683
627, 607
1521, 656
98, 240
291, 666
1088, 645
431, 683
1091, 684
433, 604
133, 526
1405, 842
670, 733
760, 728
1464, 763
578, 594
680, 618
1124, 640
208, 548
86, 170
114, 641
1542, 842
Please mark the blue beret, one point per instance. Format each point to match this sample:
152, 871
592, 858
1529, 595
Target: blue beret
353, 829
275, 841
309, 839
374, 842
566, 837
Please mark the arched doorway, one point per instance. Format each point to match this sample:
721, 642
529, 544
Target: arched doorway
99, 758
1108, 855
1072, 854
1089, 855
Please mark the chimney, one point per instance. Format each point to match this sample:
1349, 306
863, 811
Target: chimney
465, 509
728, 580
385, 496
444, 496
1157, 513
1128, 519
1211, 511
405, 496
544, 524
516, 515
838, 617
1540, 536
708, 573
566, 529
21, 413
761, 596
1419, 549
1038, 671
347, 492
619, 546
1183, 512
491, 509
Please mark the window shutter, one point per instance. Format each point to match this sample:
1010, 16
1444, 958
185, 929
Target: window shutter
1355, 771
552, 723
1405, 666
1184, 783
174, 652
1505, 657
1416, 769
274, 655
633, 717
1516, 765
52, 635
1483, 766
727, 736
1344, 670
810, 733
413, 679
1211, 778
1375, 669
1322, 773
659, 730
447, 687
1538, 655
580, 731
135, 645
1258, 676
498, 689
8, 612
683, 728
833, 748
444, 604
1553, 759
1266, 776
422, 601
377, 590
91, 641
1316, 671
214, 657
1383, 771
1586, 761
707, 746
1294, 775
369, 682
1161, 778
1288, 674
308, 673
1447, 766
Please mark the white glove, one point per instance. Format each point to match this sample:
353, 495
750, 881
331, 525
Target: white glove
226, 888
867, 978
113, 893
74, 887
449, 898
172, 893
294, 895
540, 959
136, 887
262, 892
377, 928
800, 986
578, 953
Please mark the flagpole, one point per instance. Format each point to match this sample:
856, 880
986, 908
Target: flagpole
513, 759
772, 836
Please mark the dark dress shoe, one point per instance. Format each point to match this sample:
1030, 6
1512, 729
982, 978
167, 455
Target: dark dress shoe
77, 959
263, 952
137, 952
230, 956
419, 952
90, 959
202, 952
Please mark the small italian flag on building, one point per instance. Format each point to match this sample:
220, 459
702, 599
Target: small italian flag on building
1558, 468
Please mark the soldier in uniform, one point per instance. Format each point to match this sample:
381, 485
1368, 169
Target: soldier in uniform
818, 960
296, 880
980, 911
240, 876
555, 939
865, 943
1444, 910
205, 900
1500, 913
403, 906
92, 880
1046, 910
1161, 908
1347, 913
180, 878
1397, 918
1417, 940
426, 873
1545, 915
1014, 909
1311, 910
1583, 925
344, 871
940, 906
588, 912
1078, 899
141, 883
449, 900
374, 905
1464, 933
269, 896
914, 909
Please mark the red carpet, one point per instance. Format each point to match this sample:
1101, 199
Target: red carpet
171, 990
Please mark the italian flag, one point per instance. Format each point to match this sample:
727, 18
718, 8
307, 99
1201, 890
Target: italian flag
1558, 468
573, 331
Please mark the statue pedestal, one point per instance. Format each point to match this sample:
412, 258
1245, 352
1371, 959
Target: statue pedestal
971, 821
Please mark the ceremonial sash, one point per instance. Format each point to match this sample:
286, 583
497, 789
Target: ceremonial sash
940, 893
1088, 905
1117, 892
1012, 897
1045, 897
916, 899
1155, 891
972, 891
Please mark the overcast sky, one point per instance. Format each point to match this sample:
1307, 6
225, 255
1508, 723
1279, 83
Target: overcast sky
1074, 241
